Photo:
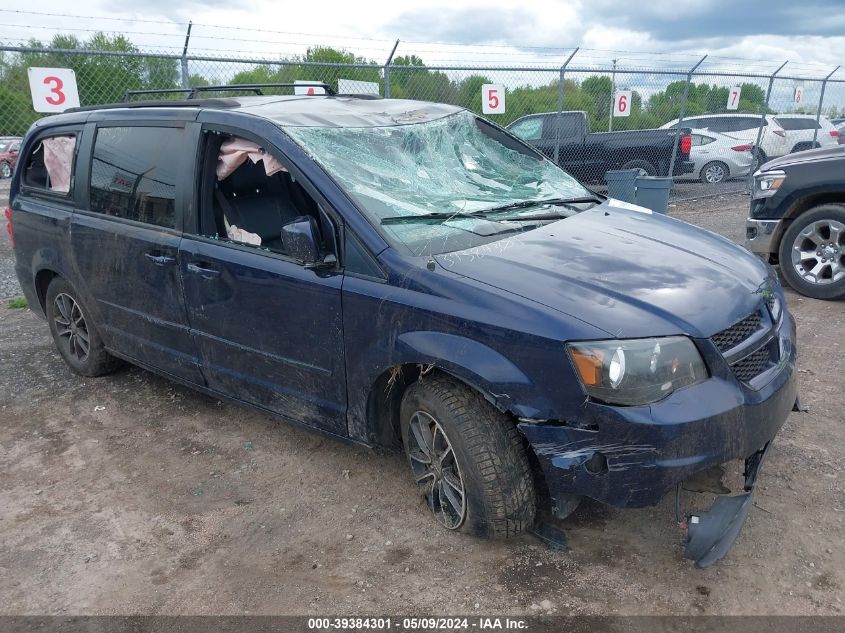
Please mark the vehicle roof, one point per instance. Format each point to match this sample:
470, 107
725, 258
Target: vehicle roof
299, 110
799, 116
725, 114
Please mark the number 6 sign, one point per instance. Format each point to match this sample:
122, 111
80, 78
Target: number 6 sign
53, 89
622, 103
492, 99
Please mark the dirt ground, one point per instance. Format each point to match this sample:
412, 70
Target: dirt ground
132, 495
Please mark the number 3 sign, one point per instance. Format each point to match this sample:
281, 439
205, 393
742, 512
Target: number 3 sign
53, 89
492, 99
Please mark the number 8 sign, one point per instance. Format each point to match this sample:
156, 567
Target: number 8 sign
492, 99
53, 89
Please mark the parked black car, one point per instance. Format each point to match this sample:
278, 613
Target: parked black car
797, 219
588, 155
402, 273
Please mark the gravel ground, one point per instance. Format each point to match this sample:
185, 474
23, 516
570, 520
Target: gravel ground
131, 495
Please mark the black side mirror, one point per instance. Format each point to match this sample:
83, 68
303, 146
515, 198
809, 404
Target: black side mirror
299, 239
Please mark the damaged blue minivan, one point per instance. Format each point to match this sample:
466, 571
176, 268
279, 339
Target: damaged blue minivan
401, 273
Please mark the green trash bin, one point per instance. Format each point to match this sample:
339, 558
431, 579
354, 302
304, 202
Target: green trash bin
621, 184
653, 192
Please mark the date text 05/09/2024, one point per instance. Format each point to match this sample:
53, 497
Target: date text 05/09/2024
417, 624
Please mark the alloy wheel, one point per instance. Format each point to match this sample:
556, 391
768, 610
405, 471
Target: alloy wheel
714, 173
436, 470
5, 170
818, 252
71, 329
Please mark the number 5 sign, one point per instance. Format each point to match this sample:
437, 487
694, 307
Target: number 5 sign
53, 89
492, 99
622, 103
733, 98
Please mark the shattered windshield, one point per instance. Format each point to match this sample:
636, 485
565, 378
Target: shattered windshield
448, 167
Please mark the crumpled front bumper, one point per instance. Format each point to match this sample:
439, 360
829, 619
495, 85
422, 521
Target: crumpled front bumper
631, 456
711, 534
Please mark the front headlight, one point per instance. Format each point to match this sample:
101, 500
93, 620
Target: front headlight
636, 371
766, 183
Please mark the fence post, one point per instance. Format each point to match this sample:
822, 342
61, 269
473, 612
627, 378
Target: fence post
560, 103
681, 115
821, 101
186, 76
612, 97
387, 71
763, 121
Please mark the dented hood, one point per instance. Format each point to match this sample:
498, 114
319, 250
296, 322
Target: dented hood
630, 273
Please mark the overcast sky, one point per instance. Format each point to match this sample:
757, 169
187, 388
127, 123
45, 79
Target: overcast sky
808, 32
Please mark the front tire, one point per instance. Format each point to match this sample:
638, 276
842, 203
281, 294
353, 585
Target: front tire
812, 252
74, 333
467, 458
5, 170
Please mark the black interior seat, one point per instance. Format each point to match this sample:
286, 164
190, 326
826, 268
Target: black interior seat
262, 204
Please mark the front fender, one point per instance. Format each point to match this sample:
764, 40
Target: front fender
483, 368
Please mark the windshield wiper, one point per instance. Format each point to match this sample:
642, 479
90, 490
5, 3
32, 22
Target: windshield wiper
483, 213
534, 203
393, 219
539, 216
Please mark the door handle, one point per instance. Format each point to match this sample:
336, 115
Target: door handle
158, 259
202, 271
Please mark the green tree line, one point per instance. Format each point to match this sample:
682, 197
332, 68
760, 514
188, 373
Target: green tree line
105, 79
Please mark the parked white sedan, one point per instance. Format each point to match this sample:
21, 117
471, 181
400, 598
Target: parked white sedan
719, 157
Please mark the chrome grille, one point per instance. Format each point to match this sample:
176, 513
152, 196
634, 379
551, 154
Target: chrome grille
737, 333
754, 365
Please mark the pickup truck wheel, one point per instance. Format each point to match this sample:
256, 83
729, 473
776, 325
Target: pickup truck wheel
74, 333
644, 165
812, 252
467, 458
714, 172
5, 170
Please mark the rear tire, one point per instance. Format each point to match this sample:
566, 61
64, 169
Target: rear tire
74, 333
5, 170
714, 172
812, 252
642, 165
468, 459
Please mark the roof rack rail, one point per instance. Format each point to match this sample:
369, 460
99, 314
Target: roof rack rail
191, 93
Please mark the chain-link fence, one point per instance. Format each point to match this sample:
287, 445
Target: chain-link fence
589, 116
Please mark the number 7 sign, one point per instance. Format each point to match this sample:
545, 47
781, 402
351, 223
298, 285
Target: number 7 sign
53, 89
492, 99
733, 98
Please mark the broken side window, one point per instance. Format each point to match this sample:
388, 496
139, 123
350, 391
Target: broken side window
49, 166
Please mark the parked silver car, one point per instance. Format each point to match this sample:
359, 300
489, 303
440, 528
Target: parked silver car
718, 157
